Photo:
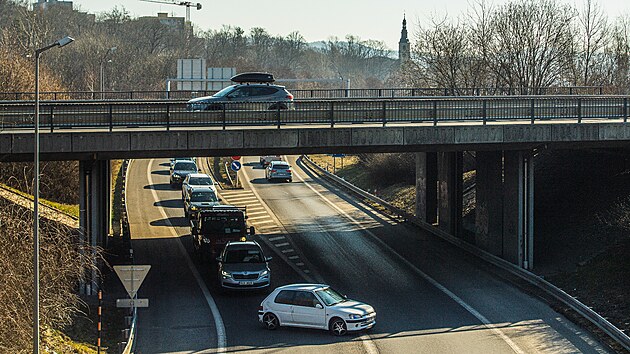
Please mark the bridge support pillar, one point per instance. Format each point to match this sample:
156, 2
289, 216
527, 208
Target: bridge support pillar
94, 195
518, 208
489, 202
450, 177
426, 186
504, 212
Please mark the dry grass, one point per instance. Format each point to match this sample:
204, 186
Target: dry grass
64, 260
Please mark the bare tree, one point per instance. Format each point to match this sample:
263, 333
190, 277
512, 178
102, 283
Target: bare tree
443, 52
531, 46
592, 36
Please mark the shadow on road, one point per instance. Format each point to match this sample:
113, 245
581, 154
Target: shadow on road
161, 172
177, 221
160, 187
170, 203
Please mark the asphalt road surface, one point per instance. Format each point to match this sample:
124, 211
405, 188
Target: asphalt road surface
429, 297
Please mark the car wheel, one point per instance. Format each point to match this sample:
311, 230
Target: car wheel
338, 326
290, 180
270, 321
280, 106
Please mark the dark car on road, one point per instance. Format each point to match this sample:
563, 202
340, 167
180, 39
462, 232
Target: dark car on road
200, 198
180, 170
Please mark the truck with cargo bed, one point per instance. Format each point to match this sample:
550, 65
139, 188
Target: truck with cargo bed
212, 228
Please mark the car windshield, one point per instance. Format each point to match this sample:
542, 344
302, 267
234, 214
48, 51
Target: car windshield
205, 196
224, 92
243, 256
330, 297
200, 181
185, 166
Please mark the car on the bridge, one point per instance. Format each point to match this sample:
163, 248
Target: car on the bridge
243, 265
196, 180
279, 170
250, 87
315, 306
200, 198
180, 170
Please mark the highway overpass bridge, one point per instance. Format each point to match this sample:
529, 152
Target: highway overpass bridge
504, 131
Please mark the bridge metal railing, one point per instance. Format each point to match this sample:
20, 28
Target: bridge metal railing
55, 115
539, 283
320, 93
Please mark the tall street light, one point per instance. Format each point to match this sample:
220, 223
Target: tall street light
60, 43
110, 50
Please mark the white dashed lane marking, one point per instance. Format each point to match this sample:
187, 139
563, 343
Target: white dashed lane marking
259, 216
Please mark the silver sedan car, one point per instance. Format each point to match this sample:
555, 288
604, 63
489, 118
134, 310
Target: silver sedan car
241, 96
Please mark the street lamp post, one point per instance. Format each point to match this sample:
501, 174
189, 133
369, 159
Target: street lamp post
60, 43
110, 50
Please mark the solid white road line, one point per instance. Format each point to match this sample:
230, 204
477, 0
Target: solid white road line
434, 282
218, 320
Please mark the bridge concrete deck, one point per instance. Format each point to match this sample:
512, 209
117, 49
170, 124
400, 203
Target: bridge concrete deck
148, 142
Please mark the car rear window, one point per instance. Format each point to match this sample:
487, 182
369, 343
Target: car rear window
200, 181
281, 167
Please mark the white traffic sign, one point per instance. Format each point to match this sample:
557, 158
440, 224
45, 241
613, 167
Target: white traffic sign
132, 277
132, 302
235, 166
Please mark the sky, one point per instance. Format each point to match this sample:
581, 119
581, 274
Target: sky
316, 19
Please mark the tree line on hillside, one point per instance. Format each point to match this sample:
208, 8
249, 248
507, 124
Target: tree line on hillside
524, 46
147, 49
520, 45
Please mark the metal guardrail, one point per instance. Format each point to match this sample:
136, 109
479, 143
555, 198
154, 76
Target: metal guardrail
611, 330
55, 115
321, 93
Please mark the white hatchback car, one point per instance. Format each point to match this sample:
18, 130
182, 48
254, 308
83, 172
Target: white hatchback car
314, 306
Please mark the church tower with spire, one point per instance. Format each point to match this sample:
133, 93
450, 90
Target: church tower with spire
404, 48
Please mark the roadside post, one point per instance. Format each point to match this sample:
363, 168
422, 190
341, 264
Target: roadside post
335, 156
236, 166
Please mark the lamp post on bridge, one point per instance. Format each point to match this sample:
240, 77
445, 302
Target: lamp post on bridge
60, 43
102, 63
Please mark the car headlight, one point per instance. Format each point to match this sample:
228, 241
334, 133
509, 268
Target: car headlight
207, 240
226, 274
193, 208
175, 175
355, 317
264, 273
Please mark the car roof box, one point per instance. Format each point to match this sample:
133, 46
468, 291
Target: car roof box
253, 77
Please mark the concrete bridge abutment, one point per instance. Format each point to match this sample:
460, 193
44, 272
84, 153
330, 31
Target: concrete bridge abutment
426, 186
94, 211
450, 193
